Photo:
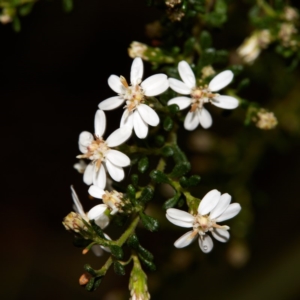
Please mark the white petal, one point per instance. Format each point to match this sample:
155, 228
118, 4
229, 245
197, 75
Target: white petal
118, 158
179, 86
97, 250
221, 235
148, 114
119, 136
139, 125
85, 139
100, 123
88, 174
220, 81
179, 222
111, 103
99, 177
137, 70
182, 102
186, 74
155, 85
226, 102
191, 121
224, 202
96, 191
116, 173
209, 202
127, 119
115, 84
205, 118
178, 214
232, 210
206, 244
97, 213
185, 239
77, 202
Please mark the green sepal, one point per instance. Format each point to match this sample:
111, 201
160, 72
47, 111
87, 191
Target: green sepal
119, 268
173, 109
194, 180
167, 151
159, 140
172, 201
135, 179
90, 270
168, 123
146, 195
90, 285
149, 264
116, 251
149, 223
143, 164
159, 177
180, 169
205, 40
97, 229
131, 191
133, 241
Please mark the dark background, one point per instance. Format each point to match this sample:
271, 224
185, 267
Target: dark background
53, 74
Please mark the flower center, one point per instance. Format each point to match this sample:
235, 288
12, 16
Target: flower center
113, 200
200, 95
202, 224
134, 95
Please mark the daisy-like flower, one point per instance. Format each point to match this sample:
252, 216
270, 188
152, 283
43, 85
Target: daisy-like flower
199, 95
137, 115
112, 200
100, 153
213, 208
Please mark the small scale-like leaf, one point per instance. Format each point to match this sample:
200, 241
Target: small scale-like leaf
171, 202
131, 193
143, 164
180, 169
173, 109
97, 229
97, 282
146, 195
133, 241
194, 180
167, 151
168, 123
119, 268
90, 270
149, 264
116, 251
90, 285
145, 253
159, 177
184, 182
149, 223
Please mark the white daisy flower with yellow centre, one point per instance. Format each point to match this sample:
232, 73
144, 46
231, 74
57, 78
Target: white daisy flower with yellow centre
199, 95
213, 208
101, 154
137, 115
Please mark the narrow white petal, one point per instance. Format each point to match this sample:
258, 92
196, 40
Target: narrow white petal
186, 74
97, 213
179, 86
100, 122
155, 85
185, 239
231, 211
97, 250
127, 119
182, 102
206, 244
179, 222
148, 114
99, 177
118, 158
137, 70
115, 84
119, 136
180, 215
191, 121
224, 202
85, 139
111, 103
77, 202
115, 172
139, 125
88, 174
209, 202
226, 102
96, 191
220, 81
205, 118
221, 235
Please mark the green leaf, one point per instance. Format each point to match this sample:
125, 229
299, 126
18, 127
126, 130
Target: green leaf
205, 40
80, 242
168, 123
68, 5
180, 169
133, 241
184, 182
116, 251
90, 270
159, 140
167, 151
159, 177
149, 223
97, 229
131, 191
135, 179
26, 9
145, 253
89, 286
119, 268
143, 164
172, 201
149, 264
147, 195
194, 180
173, 109
97, 282
16, 24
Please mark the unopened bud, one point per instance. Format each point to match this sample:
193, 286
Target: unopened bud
265, 120
84, 278
137, 49
74, 222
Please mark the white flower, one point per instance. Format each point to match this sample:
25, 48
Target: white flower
100, 153
213, 208
97, 213
199, 95
112, 200
137, 114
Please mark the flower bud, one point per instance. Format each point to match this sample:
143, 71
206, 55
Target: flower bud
74, 222
265, 120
